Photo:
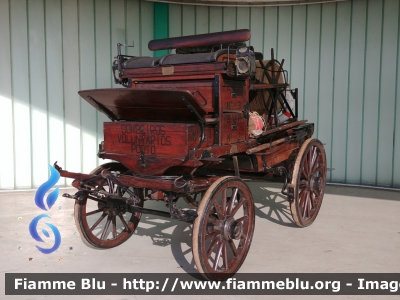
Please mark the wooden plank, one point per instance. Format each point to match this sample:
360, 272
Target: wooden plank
118, 31
104, 55
6, 112
229, 18
296, 78
387, 95
270, 30
175, 20
356, 92
87, 71
340, 97
133, 27
310, 107
71, 85
37, 82
371, 92
55, 88
257, 31
396, 133
188, 20
202, 19
215, 19
20, 92
243, 18
146, 26
325, 84
284, 36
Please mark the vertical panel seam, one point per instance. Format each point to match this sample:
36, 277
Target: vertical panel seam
305, 56
140, 28
348, 91
276, 54
12, 91
291, 45
396, 99
126, 22
95, 71
263, 36
208, 25
181, 20
333, 90
195, 19
80, 86
63, 81
363, 104
29, 91
110, 28
47, 84
236, 18
379, 97
319, 65
223, 19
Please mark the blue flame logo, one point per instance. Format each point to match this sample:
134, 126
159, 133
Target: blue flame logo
35, 234
42, 190
50, 200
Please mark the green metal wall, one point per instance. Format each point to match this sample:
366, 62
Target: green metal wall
50, 49
344, 58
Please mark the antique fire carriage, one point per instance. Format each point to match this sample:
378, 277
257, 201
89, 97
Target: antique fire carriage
187, 126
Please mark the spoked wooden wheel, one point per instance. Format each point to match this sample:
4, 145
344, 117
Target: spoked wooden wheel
103, 223
223, 230
309, 178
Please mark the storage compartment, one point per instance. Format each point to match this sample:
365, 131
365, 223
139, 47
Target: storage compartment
201, 90
233, 95
233, 128
154, 139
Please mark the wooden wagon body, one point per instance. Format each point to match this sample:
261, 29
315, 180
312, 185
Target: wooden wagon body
185, 127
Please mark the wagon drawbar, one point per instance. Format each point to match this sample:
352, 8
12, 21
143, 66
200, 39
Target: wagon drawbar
192, 125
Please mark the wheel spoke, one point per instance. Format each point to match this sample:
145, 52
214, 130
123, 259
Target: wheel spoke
233, 199
214, 221
94, 212
218, 209
237, 206
218, 255
212, 245
114, 224
212, 234
225, 255
103, 235
306, 205
223, 201
121, 217
233, 248
244, 218
98, 221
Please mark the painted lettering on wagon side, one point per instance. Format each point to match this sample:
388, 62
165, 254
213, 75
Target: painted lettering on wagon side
144, 138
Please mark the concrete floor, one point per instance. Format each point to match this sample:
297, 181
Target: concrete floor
356, 231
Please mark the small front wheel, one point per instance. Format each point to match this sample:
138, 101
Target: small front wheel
223, 230
103, 223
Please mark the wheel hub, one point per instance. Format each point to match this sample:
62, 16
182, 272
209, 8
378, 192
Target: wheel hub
232, 229
311, 183
314, 183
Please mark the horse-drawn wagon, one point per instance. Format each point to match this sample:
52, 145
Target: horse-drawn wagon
193, 125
